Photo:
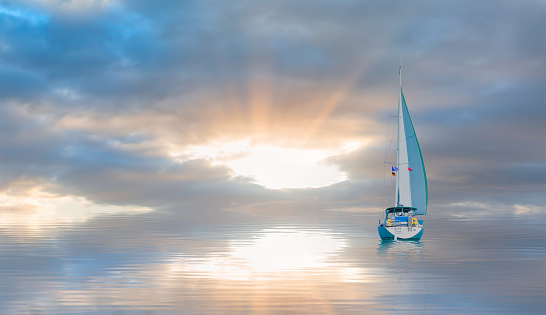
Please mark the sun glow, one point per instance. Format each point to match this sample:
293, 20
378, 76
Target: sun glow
38, 209
271, 166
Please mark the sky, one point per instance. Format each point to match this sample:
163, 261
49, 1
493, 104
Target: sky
263, 107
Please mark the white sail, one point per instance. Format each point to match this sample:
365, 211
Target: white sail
411, 185
404, 189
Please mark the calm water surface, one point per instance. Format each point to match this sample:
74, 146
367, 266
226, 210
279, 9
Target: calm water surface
330, 263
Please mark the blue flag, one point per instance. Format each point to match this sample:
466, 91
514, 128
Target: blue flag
394, 168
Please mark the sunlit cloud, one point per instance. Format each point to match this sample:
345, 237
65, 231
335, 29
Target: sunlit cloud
272, 166
529, 209
137, 86
36, 210
288, 168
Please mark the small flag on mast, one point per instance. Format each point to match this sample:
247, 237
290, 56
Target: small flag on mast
394, 168
409, 169
393, 174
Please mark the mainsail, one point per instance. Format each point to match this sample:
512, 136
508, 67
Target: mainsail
411, 183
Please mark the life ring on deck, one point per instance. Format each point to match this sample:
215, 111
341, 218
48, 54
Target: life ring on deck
414, 222
389, 222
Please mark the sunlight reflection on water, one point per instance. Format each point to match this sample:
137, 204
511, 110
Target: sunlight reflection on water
279, 254
331, 264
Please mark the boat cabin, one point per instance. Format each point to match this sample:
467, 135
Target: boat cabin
399, 215
399, 212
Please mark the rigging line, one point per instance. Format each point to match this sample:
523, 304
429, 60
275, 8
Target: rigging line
384, 160
395, 132
384, 186
387, 149
392, 139
387, 142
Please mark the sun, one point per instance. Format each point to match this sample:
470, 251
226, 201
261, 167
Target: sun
275, 168
272, 166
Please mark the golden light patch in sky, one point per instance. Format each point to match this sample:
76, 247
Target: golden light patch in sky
273, 166
37, 209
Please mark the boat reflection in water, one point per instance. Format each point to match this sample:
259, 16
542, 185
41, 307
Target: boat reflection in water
403, 261
413, 249
401, 252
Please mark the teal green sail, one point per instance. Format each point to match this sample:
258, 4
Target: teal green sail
417, 174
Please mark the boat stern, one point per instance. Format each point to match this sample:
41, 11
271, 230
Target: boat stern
384, 234
390, 233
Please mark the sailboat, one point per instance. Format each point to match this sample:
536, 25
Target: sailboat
411, 195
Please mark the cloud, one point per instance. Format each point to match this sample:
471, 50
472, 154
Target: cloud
98, 94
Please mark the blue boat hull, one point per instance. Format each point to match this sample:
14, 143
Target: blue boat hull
385, 234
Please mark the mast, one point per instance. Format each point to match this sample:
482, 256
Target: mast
397, 196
